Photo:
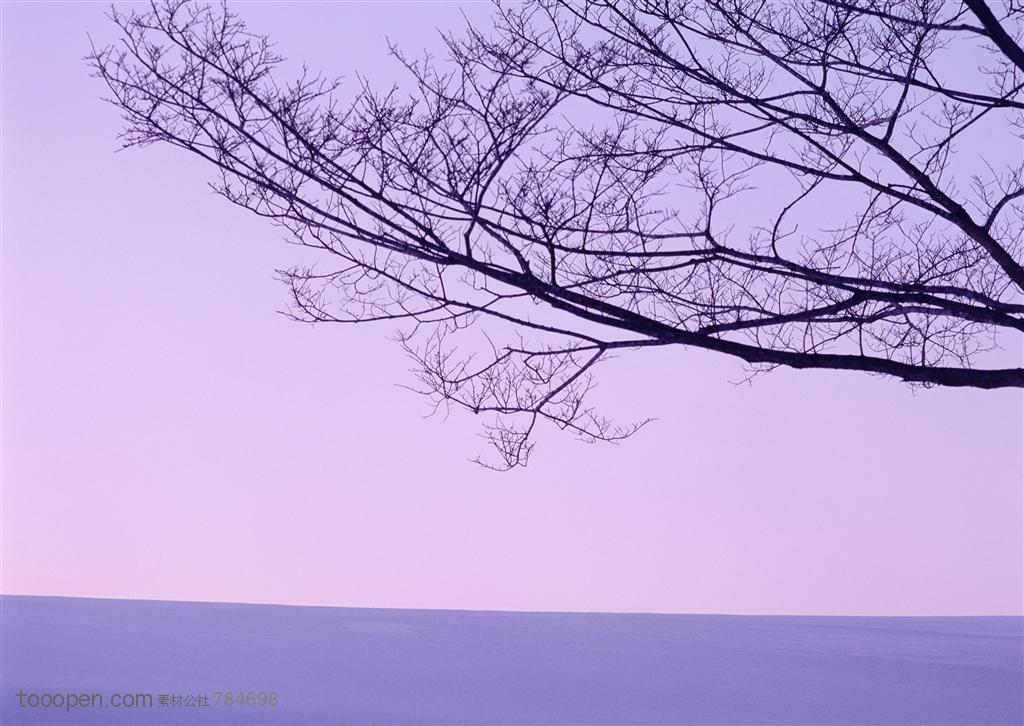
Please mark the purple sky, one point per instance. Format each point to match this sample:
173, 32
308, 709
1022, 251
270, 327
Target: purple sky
167, 435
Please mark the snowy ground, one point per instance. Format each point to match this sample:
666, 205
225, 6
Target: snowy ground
338, 665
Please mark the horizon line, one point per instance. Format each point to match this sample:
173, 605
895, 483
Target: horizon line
4, 595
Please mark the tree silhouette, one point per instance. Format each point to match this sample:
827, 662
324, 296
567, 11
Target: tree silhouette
777, 180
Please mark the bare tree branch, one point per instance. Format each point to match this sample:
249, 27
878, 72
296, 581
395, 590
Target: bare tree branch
782, 182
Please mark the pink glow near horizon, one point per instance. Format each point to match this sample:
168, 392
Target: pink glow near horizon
167, 435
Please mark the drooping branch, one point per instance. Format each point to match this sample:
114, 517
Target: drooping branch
778, 182
995, 30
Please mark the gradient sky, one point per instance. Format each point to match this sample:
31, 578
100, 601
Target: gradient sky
167, 435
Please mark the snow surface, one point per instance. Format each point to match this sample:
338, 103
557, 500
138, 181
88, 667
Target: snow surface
369, 666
